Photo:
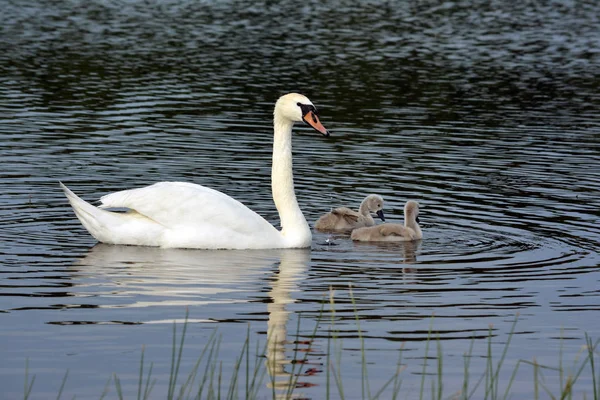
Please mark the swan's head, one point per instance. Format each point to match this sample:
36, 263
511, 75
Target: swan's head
411, 210
374, 204
298, 108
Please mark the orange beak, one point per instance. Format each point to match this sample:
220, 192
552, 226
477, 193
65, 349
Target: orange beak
311, 119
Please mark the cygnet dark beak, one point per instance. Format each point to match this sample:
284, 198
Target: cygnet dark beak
380, 215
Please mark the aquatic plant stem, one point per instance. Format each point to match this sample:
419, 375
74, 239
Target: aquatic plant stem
466, 363
365, 376
192, 375
536, 390
106, 386
327, 356
571, 380
139, 393
118, 386
247, 344
175, 365
439, 357
399, 369
327, 373
294, 376
560, 360
307, 353
257, 366
489, 366
271, 368
62, 385
338, 375
28, 386
425, 359
149, 386
590, 348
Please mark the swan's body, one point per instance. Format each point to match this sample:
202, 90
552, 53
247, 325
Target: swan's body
393, 232
186, 215
344, 219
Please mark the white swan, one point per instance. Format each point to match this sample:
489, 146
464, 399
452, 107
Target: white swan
393, 232
343, 219
186, 215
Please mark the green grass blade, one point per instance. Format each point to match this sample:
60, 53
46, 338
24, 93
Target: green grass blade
503, 356
338, 381
62, 385
271, 367
306, 354
489, 370
189, 382
546, 389
365, 375
385, 385
294, 376
466, 363
536, 390
327, 370
590, 349
247, 344
106, 388
220, 378
571, 382
141, 374
511, 380
148, 387
399, 369
560, 361
118, 386
28, 385
214, 350
173, 351
440, 362
483, 375
425, 360
173, 381
234, 378
258, 367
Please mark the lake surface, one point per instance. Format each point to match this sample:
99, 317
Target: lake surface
487, 113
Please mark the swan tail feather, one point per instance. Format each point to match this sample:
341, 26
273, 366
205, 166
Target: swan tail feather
91, 217
110, 227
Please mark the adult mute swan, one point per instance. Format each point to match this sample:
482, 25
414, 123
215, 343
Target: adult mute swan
186, 215
393, 232
344, 219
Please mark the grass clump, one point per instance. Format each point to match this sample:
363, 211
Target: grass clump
206, 379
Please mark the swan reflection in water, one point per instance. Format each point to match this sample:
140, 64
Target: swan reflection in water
293, 267
409, 249
201, 279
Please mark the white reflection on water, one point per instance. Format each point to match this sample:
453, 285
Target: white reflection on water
148, 276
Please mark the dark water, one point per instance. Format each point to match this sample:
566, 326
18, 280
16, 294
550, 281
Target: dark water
487, 113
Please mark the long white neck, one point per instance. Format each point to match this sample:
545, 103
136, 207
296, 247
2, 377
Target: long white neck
294, 227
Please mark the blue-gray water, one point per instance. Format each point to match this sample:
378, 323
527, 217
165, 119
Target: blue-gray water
487, 113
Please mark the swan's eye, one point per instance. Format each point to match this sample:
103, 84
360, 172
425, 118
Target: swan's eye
306, 108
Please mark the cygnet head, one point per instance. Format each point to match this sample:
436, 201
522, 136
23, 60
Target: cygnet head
296, 108
374, 204
411, 211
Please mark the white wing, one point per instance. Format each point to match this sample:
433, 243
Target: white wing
180, 204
